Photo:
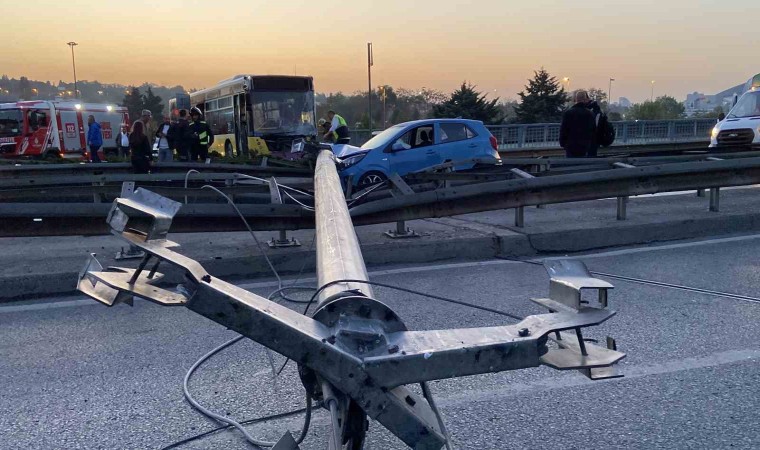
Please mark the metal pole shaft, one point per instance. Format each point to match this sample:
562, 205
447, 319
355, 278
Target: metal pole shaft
338, 254
74, 66
369, 79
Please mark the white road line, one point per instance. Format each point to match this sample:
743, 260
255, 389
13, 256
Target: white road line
42, 305
629, 372
629, 251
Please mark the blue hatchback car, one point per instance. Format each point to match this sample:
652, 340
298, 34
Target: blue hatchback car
412, 146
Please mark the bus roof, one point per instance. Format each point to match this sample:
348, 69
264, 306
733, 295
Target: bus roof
238, 84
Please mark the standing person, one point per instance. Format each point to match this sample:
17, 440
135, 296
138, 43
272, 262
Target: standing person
140, 148
180, 136
149, 127
577, 130
122, 141
337, 125
165, 153
94, 138
201, 136
596, 110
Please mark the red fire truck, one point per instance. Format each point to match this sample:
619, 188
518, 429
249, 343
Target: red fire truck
55, 128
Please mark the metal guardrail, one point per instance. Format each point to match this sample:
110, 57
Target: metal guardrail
424, 201
633, 132
546, 135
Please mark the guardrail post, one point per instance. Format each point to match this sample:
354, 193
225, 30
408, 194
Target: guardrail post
671, 130
521, 136
283, 241
400, 188
700, 192
520, 216
714, 199
624, 127
622, 208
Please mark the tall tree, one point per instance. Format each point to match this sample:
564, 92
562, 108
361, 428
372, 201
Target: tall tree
663, 108
133, 101
153, 103
468, 103
25, 88
543, 99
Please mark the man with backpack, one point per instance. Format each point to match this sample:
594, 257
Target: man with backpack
604, 134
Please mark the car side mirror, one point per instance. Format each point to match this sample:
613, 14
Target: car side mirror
389, 150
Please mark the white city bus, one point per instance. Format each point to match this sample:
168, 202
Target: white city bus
259, 114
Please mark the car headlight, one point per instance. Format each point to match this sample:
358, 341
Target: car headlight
715, 132
352, 160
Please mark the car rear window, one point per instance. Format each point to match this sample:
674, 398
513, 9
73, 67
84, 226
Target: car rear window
452, 132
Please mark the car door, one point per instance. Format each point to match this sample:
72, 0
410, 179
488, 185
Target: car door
457, 142
414, 150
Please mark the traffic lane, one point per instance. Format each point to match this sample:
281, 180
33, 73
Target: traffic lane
726, 265
713, 407
147, 377
699, 405
97, 377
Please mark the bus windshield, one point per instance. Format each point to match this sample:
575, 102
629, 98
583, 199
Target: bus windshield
11, 122
283, 113
747, 106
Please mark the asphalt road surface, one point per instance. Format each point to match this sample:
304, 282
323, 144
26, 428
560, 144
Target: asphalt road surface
75, 374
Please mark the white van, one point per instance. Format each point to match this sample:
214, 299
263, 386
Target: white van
741, 127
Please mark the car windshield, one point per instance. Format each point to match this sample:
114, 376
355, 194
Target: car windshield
283, 113
11, 122
747, 106
383, 139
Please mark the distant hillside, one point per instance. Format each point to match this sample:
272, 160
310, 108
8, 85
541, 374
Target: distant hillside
12, 89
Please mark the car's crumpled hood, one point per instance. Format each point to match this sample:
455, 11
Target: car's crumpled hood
344, 150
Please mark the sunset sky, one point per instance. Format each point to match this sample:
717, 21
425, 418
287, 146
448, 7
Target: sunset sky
684, 45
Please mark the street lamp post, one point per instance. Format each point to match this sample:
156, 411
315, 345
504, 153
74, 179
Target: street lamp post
651, 96
609, 94
74, 65
567, 82
370, 63
385, 121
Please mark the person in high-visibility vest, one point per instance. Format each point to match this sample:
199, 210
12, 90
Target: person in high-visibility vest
201, 136
337, 125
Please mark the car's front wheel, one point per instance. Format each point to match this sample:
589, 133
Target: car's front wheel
371, 179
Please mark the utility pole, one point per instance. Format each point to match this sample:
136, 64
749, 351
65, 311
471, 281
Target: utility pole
74, 65
651, 97
609, 94
385, 96
370, 63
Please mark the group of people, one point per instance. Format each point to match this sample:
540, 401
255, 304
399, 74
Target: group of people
191, 139
580, 130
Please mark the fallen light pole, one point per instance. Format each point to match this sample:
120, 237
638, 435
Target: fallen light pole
355, 353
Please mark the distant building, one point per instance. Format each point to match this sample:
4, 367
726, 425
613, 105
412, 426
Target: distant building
624, 102
698, 102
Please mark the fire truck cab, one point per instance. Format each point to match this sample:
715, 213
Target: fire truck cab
55, 128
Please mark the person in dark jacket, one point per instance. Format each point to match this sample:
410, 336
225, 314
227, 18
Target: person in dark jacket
94, 138
596, 110
201, 136
578, 129
179, 136
140, 149
122, 141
